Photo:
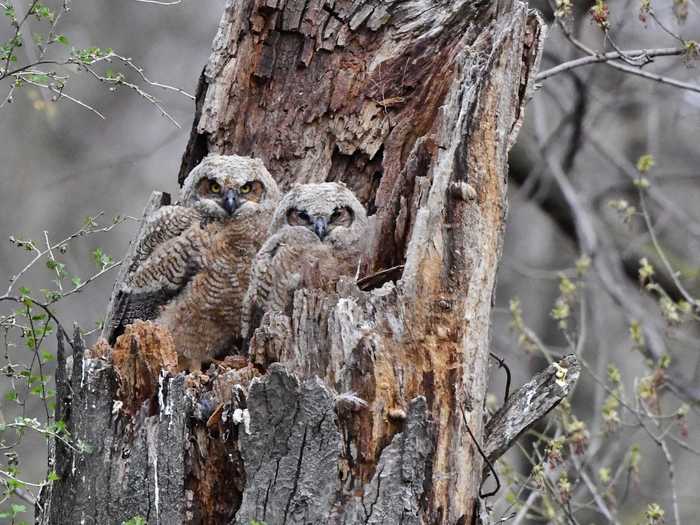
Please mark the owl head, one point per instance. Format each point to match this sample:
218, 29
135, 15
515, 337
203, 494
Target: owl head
330, 210
228, 186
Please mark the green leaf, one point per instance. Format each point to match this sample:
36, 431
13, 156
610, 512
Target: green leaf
43, 13
136, 520
102, 260
11, 395
62, 39
645, 163
59, 426
51, 295
13, 484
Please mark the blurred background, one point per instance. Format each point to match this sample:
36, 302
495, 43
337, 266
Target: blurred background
61, 163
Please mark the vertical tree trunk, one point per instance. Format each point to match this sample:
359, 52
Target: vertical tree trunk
355, 410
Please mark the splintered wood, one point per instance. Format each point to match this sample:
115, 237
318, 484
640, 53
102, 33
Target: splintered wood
139, 355
403, 102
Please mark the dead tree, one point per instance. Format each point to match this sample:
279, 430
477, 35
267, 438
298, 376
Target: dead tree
363, 406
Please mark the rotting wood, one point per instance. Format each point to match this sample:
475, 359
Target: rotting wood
358, 416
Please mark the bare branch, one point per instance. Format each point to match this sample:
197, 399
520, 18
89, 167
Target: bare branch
643, 56
157, 2
627, 69
657, 78
529, 403
661, 253
91, 278
62, 94
120, 81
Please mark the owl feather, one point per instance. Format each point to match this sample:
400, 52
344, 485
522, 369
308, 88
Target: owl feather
318, 235
193, 260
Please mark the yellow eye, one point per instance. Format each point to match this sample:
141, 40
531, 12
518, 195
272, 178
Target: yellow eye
246, 187
215, 187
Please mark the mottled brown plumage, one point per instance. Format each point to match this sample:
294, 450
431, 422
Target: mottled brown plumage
193, 261
318, 234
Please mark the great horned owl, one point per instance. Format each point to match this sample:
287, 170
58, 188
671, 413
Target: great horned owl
317, 235
192, 264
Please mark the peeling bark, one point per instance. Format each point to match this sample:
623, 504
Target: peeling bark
351, 409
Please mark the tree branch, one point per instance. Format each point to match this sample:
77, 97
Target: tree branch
530, 403
643, 56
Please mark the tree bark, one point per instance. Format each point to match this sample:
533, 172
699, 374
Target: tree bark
355, 408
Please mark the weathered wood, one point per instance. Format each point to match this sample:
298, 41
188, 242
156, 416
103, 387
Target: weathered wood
124, 466
359, 415
528, 404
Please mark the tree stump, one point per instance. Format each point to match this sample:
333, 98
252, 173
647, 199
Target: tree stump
355, 408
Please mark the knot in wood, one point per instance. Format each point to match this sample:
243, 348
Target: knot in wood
463, 190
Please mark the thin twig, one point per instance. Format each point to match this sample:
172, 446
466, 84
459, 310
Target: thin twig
627, 69
13, 40
663, 26
55, 246
660, 252
599, 501
90, 279
139, 71
483, 456
502, 364
121, 82
661, 442
61, 94
657, 78
53, 259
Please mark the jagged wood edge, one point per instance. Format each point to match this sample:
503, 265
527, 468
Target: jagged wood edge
123, 468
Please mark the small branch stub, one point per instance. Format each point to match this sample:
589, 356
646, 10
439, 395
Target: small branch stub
528, 404
463, 190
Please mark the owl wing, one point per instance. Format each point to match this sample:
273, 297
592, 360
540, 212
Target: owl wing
276, 273
159, 278
166, 223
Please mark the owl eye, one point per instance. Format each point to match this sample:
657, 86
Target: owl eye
297, 217
246, 188
215, 187
342, 215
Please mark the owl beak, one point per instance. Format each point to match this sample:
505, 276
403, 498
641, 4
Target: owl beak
231, 201
320, 227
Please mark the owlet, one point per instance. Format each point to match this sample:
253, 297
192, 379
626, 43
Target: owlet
193, 261
317, 235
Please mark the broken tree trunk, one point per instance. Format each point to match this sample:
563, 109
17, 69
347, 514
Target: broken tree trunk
355, 408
